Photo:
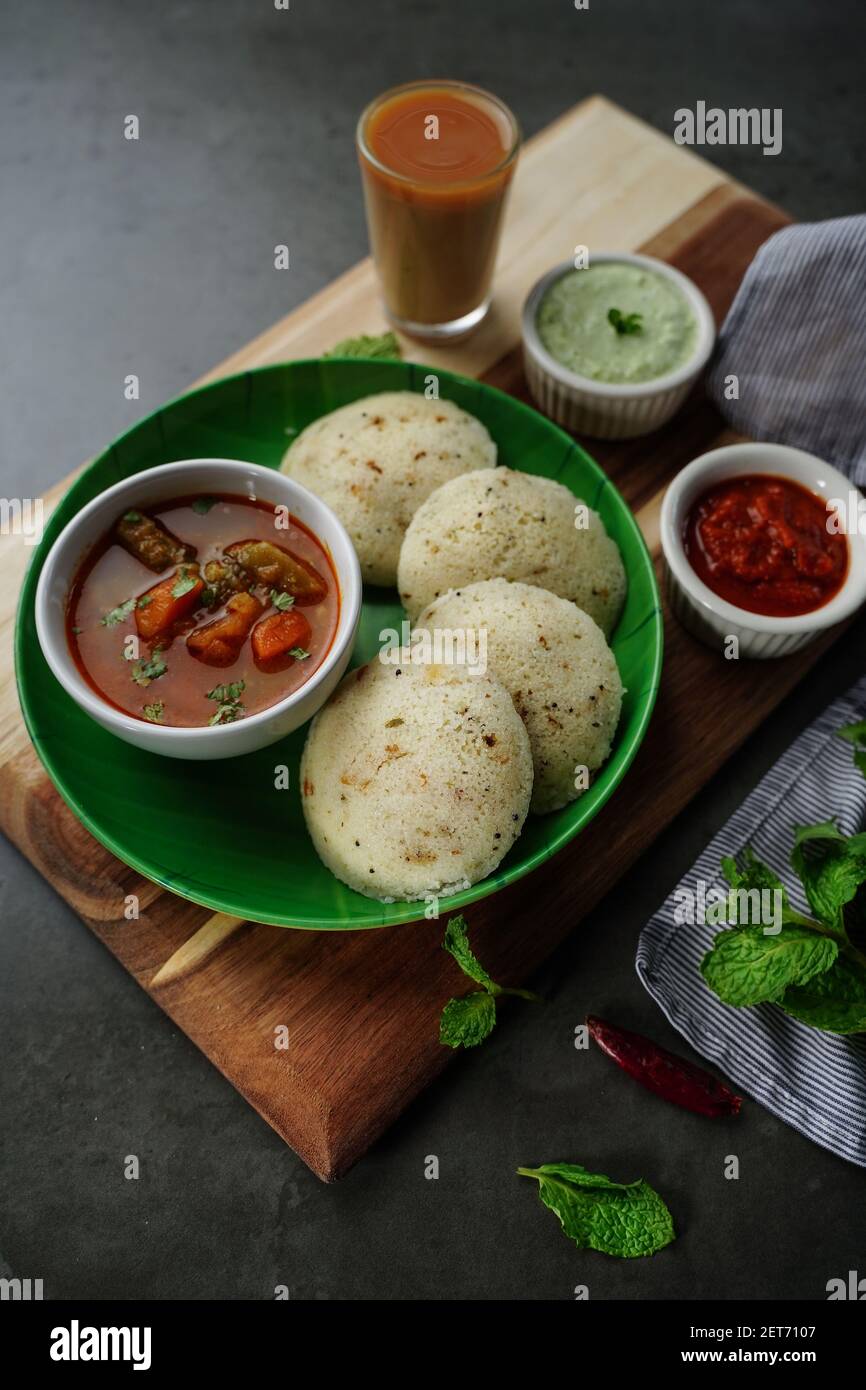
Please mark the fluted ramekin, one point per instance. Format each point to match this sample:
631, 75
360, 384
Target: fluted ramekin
713, 619
604, 409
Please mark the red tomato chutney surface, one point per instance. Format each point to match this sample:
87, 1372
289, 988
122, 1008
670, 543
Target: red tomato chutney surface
761, 542
202, 610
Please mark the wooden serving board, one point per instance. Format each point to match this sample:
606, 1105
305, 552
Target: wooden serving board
362, 1008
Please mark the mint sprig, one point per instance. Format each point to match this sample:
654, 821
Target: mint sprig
813, 967
625, 323
468, 1020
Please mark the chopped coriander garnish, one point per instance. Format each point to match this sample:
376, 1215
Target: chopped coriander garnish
118, 614
224, 694
183, 584
132, 516
625, 323
228, 698
208, 596
226, 714
282, 601
143, 672
202, 505
298, 653
144, 601
154, 712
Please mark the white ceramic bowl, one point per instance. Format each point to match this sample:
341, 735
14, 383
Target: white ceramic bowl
711, 618
178, 480
608, 410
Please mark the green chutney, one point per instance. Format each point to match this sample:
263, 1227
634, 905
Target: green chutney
574, 327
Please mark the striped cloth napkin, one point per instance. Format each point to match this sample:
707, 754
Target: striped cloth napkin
795, 339
814, 1081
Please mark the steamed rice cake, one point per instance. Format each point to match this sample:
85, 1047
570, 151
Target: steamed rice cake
498, 522
556, 664
376, 460
415, 778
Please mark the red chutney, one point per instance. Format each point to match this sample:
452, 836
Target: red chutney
761, 542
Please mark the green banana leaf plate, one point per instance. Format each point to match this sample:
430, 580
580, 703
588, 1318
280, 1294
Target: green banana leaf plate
220, 833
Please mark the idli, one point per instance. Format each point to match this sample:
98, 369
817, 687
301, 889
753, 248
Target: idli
415, 778
555, 662
376, 460
497, 522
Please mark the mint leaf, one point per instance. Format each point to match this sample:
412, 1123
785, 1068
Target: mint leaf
118, 614
823, 830
751, 872
833, 873
143, 672
625, 323
624, 1219
382, 345
468, 1021
856, 734
834, 1001
750, 875
746, 966
457, 944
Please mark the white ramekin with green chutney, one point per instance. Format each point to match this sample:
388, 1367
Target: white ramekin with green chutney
613, 349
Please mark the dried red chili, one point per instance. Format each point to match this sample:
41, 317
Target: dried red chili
669, 1076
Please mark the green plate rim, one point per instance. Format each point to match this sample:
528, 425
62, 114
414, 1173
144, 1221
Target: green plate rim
414, 912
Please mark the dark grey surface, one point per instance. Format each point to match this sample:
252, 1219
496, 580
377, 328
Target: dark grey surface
156, 258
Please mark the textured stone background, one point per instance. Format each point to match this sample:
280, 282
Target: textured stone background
156, 258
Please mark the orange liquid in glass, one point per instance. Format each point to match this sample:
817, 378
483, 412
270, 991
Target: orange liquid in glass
436, 165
